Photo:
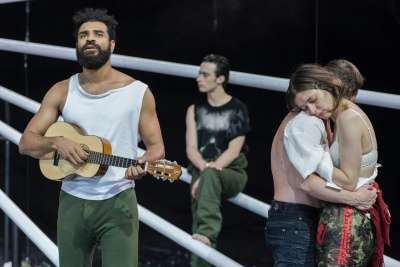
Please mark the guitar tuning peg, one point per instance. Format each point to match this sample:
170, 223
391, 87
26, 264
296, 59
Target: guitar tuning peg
162, 178
171, 181
157, 177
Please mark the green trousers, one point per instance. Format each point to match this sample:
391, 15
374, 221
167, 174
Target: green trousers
111, 224
206, 207
345, 237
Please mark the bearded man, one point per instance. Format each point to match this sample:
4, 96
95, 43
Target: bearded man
104, 102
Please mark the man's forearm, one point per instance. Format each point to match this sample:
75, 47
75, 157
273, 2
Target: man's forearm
195, 158
342, 180
226, 158
231, 153
154, 152
316, 187
35, 145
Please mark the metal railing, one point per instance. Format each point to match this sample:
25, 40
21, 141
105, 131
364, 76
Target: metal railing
184, 70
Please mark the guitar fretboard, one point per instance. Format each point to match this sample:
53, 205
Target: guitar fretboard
110, 160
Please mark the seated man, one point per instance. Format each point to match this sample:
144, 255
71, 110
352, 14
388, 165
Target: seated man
216, 126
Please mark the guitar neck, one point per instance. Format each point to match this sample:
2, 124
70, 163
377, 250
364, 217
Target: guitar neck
110, 160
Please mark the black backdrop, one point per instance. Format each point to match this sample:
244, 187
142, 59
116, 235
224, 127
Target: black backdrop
263, 37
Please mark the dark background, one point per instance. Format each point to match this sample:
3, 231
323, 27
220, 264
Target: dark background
263, 37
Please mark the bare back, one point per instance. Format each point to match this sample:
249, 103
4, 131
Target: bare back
287, 180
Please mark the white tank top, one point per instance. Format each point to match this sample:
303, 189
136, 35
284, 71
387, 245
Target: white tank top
368, 159
113, 115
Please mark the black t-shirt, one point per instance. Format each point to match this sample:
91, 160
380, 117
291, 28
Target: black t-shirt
217, 126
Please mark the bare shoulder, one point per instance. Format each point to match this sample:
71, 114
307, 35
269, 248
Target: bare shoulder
50, 108
61, 86
190, 108
349, 121
58, 92
190, 117
348, 116
149, 101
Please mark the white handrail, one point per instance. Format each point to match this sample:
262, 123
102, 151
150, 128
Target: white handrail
29, 228
390, 262
184, 239
18, 216
9, 133
241, 199
167, 229
19, 100
185, 70
11, 1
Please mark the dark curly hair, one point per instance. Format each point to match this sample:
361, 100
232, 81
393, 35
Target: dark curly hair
222, 66
95, 14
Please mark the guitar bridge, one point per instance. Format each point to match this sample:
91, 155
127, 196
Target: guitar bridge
56, 158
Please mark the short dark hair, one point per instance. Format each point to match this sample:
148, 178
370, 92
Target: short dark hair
222, 65
95, 14
349, 74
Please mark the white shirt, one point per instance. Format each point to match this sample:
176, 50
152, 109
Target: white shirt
306, 145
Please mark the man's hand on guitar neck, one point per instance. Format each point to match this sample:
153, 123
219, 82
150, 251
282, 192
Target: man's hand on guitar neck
69, 150
136, 172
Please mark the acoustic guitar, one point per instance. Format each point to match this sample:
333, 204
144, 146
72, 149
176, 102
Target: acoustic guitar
99, 158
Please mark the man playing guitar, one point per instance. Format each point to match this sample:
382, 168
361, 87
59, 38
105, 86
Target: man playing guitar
110, 104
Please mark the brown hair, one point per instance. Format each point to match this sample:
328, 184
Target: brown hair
349, 74
313, 76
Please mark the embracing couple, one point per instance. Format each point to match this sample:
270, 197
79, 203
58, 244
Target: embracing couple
327, 208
